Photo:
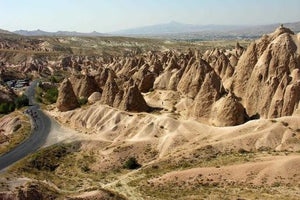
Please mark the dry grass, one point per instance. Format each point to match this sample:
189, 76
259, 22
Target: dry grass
21, 134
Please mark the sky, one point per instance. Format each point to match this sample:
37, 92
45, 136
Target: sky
113, 15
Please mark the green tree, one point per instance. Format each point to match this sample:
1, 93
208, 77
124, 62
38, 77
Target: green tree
131, 163
82, 101
51, 95
6, 108
21, 101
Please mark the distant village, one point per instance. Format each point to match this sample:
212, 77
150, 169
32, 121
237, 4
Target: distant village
17, 84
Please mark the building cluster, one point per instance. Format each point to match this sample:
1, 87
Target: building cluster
17, 83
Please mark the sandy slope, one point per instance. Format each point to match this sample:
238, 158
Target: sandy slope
168, 134
167, 137
273, 170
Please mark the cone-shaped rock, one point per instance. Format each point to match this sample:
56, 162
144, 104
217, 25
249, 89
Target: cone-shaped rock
133, 100
67, 99
110, 91
228, 112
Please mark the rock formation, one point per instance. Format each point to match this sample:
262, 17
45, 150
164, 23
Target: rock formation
144, 78
228, 111
133, 100
96, 96
84, 86
262, 76
67, 99
260, 80
110, 91
211, 91
193, 78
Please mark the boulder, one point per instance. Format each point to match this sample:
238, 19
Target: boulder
93, 98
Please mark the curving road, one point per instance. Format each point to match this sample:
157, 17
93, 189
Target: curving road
36, 140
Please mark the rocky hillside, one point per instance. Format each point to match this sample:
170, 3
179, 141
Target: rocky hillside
218, 87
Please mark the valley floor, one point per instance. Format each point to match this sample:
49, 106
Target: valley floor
179, 158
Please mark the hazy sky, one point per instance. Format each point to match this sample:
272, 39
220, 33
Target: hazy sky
111, 15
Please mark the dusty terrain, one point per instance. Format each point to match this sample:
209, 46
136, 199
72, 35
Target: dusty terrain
202, 124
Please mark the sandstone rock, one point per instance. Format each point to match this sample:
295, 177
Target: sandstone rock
239, 50
84, 86
211, 90
96, 96
144, 78
233, 60
172, 64
67, 99
102, 77
110, 91
227, 111
265, 78
156, 67
133, 100
193, 78
129, 68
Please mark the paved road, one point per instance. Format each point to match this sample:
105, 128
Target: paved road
36, 139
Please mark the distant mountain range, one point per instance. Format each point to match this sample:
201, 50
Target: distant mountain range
58, 33
175, 30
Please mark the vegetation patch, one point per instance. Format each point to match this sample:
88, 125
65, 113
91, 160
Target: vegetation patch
8, 107
46, 96
49, 159
82, 101
131, 163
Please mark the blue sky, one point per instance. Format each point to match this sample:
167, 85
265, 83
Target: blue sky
112, 15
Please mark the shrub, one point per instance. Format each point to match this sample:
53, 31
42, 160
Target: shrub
11, 107
21, 101
131, 163
38, 99
285, 123
6, 108
53, 79
82, 101
51, 95
243, 151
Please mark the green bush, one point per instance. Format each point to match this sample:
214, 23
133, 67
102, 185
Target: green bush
6, 108
53, 79
39, 99
21, 101
131, 163
82, 101
9, 107
51, 95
